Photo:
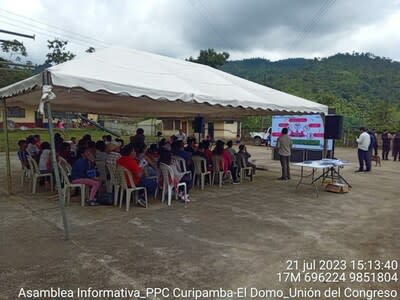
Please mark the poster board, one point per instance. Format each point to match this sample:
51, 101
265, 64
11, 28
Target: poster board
305, 131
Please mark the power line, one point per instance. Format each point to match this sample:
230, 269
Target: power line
308, 28
211, 25
57, 28
212, 17
23, 24
41, 32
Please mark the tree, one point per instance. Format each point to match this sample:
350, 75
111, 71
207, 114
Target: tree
383, 115
90, 50
210, 58
59, 53
9, 72
14, 48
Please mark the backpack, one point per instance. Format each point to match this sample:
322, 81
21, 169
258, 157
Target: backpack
106, 199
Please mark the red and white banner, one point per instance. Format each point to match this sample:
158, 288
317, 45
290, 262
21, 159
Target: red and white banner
306, 132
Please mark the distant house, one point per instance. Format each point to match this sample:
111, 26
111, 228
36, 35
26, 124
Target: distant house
28, 117
216, 129
128, 125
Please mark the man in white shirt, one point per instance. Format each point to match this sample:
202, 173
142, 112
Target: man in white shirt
363, 142
181, 136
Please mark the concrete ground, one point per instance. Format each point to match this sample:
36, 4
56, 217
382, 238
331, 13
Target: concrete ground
236, 236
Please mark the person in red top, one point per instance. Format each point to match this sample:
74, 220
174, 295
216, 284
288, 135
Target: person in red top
207, 150
228, 163
128, 161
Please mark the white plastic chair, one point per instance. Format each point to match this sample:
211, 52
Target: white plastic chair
128, 185
101, 168
181, 164
26, 174
62, 163
244, 168
168, 175
36, 174
218, 169
156, 177
67, 167
115, 181
200, 169
67, 186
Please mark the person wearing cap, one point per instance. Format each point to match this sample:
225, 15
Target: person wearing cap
113, 150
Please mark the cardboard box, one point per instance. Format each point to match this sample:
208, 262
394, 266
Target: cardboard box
336, 187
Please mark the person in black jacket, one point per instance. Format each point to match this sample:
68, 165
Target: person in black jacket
396, 146
370, 150
386, 137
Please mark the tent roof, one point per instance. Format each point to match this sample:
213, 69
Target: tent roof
129, 82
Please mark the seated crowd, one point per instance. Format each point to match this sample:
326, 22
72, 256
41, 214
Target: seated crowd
141, 161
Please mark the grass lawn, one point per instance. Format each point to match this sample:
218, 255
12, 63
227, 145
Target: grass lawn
16, 134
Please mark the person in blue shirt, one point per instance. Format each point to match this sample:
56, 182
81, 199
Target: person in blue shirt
180, 151
83, 173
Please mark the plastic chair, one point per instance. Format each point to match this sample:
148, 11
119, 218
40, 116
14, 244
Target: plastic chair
101, 168
66, 189
128, 185
200, 169
181, 164
244, 168
26, 174
156, 177
115, 180
63, 163
168, 175
218, 169
36, 174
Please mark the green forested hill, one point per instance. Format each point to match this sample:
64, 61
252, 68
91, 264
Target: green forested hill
363, 87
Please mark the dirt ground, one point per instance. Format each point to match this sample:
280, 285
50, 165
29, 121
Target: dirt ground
230, 237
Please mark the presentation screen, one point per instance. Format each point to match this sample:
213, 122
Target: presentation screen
306, 132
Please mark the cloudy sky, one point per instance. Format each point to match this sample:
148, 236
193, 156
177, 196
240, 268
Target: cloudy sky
273, 29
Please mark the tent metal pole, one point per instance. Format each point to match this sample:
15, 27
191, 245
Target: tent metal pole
61, 201
7, 143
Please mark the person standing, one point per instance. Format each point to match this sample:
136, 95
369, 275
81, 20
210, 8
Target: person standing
363, 141
284, 145
396, 146
373, 146
139, 137
386, 137
180, 136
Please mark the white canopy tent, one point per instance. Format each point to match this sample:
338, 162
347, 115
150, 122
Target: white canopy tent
156, 85
134, 83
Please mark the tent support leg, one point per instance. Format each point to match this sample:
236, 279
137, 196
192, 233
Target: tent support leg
7, 143
61, 202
